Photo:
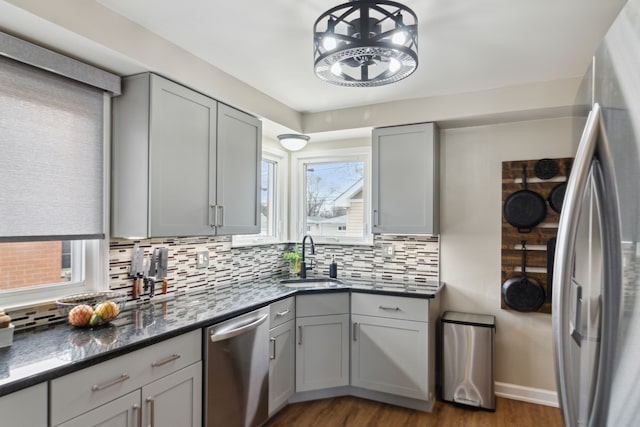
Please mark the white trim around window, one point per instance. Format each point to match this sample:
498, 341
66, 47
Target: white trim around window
281, 159
298, 185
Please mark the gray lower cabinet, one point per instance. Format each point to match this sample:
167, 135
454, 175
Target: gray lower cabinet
282, 362
322, 341
159, 385
390, 356
405, 179
169, 402
392, 347
25, 408
182, 164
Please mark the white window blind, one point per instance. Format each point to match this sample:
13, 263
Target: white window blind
51, 156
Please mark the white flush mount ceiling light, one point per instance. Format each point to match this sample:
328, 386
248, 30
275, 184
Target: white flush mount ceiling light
293, 141
365, 43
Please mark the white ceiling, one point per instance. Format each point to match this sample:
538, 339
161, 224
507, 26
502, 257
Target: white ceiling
464, 45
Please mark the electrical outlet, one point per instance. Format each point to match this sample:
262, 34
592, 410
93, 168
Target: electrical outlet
388, 251
202, 259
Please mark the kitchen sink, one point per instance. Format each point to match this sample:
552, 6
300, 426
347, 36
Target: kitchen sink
312, 282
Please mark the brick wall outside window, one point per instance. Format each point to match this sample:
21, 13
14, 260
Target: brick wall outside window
25, 264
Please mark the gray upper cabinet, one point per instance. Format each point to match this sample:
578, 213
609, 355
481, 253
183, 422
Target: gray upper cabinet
176, 168
239, 159
405, 179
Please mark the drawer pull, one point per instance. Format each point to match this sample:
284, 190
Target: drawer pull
299, 335
273, 355
355, 330
136, 409
119, 380
384, 307
283, 313
171, 358
152, 411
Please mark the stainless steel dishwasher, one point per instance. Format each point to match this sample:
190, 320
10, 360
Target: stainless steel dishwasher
237, 371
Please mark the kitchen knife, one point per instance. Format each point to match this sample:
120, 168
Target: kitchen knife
134, 270
153, 272
139, 270
163, 265
145, 274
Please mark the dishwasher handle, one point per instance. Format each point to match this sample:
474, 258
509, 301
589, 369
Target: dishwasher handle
241, 329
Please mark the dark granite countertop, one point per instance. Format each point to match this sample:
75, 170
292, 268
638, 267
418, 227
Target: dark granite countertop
47, 352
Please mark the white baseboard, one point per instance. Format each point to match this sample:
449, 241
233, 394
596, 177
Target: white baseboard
527, 394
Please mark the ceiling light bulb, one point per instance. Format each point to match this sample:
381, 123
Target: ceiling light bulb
399, 37
394, 65
329, 43
336, 69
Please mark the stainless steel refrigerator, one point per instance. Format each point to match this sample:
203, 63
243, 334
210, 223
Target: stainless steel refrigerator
596, 306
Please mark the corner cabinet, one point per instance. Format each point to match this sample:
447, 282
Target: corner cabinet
322, 341
405, 179
182, 163
392, 347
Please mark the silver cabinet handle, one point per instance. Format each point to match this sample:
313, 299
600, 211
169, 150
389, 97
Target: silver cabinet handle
355, 329
375, 217
272, 356
169, 359
299, 335
98, 387
151, 403
213, 216
283, 313
137, 410
220, 216
385, 307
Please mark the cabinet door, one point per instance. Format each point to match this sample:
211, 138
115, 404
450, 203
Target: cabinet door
182, 161
238, 175
175, 400
405, 179
122, 412
390, 356
281, 365
322, 352
25, 408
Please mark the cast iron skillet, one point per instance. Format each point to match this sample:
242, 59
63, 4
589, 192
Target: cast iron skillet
524, 209
546, 168
556, 197
522, 293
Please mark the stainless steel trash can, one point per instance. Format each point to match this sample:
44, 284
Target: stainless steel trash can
468, 362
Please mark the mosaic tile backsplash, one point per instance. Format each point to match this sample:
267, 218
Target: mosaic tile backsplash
416, 260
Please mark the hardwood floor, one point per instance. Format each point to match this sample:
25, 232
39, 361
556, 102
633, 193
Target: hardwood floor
355, 412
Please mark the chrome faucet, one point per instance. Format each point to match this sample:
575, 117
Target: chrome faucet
303, 262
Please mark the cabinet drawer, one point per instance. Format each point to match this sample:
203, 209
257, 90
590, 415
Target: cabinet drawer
322, 304
392, 307
89, 388
282, 311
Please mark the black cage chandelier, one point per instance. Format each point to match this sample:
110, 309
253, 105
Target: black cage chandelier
365, 43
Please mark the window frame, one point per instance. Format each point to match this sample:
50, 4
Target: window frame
297, 220
281, 160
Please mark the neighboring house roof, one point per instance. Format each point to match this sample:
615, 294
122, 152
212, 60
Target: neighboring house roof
344, 199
